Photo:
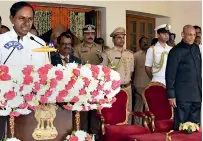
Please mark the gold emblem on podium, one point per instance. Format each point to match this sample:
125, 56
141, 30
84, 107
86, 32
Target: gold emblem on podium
45, 116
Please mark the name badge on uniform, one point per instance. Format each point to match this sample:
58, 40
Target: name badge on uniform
84, 51
14, 44
117, 57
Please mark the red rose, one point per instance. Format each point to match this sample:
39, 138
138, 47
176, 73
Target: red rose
43, 79
107, 78
3, 105
14, 114
27, 80
4, 69
86, 81
99, 87
94, 93
48, 93
29, 97
115, 84
59, 99
27, 70
23, 106
9, 95
36, 87
102, 101
59, 75
43, 99
95, 71
76, 72
74, 99
53, 83
68, 107
82, 91
5, 77
107, 92
33, 107
63, 93
73, 138
106, 70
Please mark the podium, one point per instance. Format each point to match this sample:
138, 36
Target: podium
26, 124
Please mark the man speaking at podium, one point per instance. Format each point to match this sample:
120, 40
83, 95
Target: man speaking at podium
16, 45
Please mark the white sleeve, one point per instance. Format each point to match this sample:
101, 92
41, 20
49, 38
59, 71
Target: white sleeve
149, 58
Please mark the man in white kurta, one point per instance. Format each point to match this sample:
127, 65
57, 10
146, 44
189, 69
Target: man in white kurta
156, 57
23, 54
21, 16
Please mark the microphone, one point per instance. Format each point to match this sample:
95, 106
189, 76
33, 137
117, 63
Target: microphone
11, 51
32, 38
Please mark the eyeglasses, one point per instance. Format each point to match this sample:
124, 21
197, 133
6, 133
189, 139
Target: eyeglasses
66, 44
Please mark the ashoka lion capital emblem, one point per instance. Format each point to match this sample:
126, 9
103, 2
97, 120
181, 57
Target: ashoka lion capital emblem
45, 116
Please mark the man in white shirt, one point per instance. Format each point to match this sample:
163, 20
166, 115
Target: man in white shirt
156, 57
21, 16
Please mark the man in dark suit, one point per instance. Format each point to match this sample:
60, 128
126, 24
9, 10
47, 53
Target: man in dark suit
184, 80
64, 55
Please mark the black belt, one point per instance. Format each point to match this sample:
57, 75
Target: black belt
125, 85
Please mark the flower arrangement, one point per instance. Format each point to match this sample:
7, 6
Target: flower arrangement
80, 136
11, 139
76, 87
189, 127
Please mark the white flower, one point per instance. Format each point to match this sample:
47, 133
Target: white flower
23, 111
15, 102
27, 89
85, 71
5, 112
81, 135
12, 139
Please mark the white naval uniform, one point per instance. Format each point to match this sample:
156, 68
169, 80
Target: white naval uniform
159, 76
23, 56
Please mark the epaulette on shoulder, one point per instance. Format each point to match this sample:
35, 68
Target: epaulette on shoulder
106, 50
129, 51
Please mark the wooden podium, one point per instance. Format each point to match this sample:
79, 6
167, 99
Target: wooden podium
26, 124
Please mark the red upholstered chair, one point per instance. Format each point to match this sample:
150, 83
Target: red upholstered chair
114, 120
157, 108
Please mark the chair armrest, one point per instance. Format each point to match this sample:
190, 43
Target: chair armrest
143, 116
151, 119
101, 118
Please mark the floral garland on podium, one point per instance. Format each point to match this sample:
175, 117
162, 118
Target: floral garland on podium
81, 87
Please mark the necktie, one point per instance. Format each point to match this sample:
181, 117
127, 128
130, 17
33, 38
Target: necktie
66, 60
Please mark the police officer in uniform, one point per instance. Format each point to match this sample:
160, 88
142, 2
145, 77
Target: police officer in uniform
156, 57
88, 51
121, 60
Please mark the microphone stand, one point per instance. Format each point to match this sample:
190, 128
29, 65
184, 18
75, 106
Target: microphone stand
11, 51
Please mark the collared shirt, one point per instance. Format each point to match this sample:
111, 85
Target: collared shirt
86, 54
140, 76
123, 60
62, 59
158, 50
24, 56
200, 47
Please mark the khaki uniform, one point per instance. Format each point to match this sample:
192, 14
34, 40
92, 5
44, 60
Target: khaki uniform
140, 82
91, 55
122, 61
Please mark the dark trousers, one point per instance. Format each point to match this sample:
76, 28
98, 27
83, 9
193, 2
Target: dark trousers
186, 111
2, 126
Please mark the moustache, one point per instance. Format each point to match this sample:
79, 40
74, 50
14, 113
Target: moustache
90, 38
